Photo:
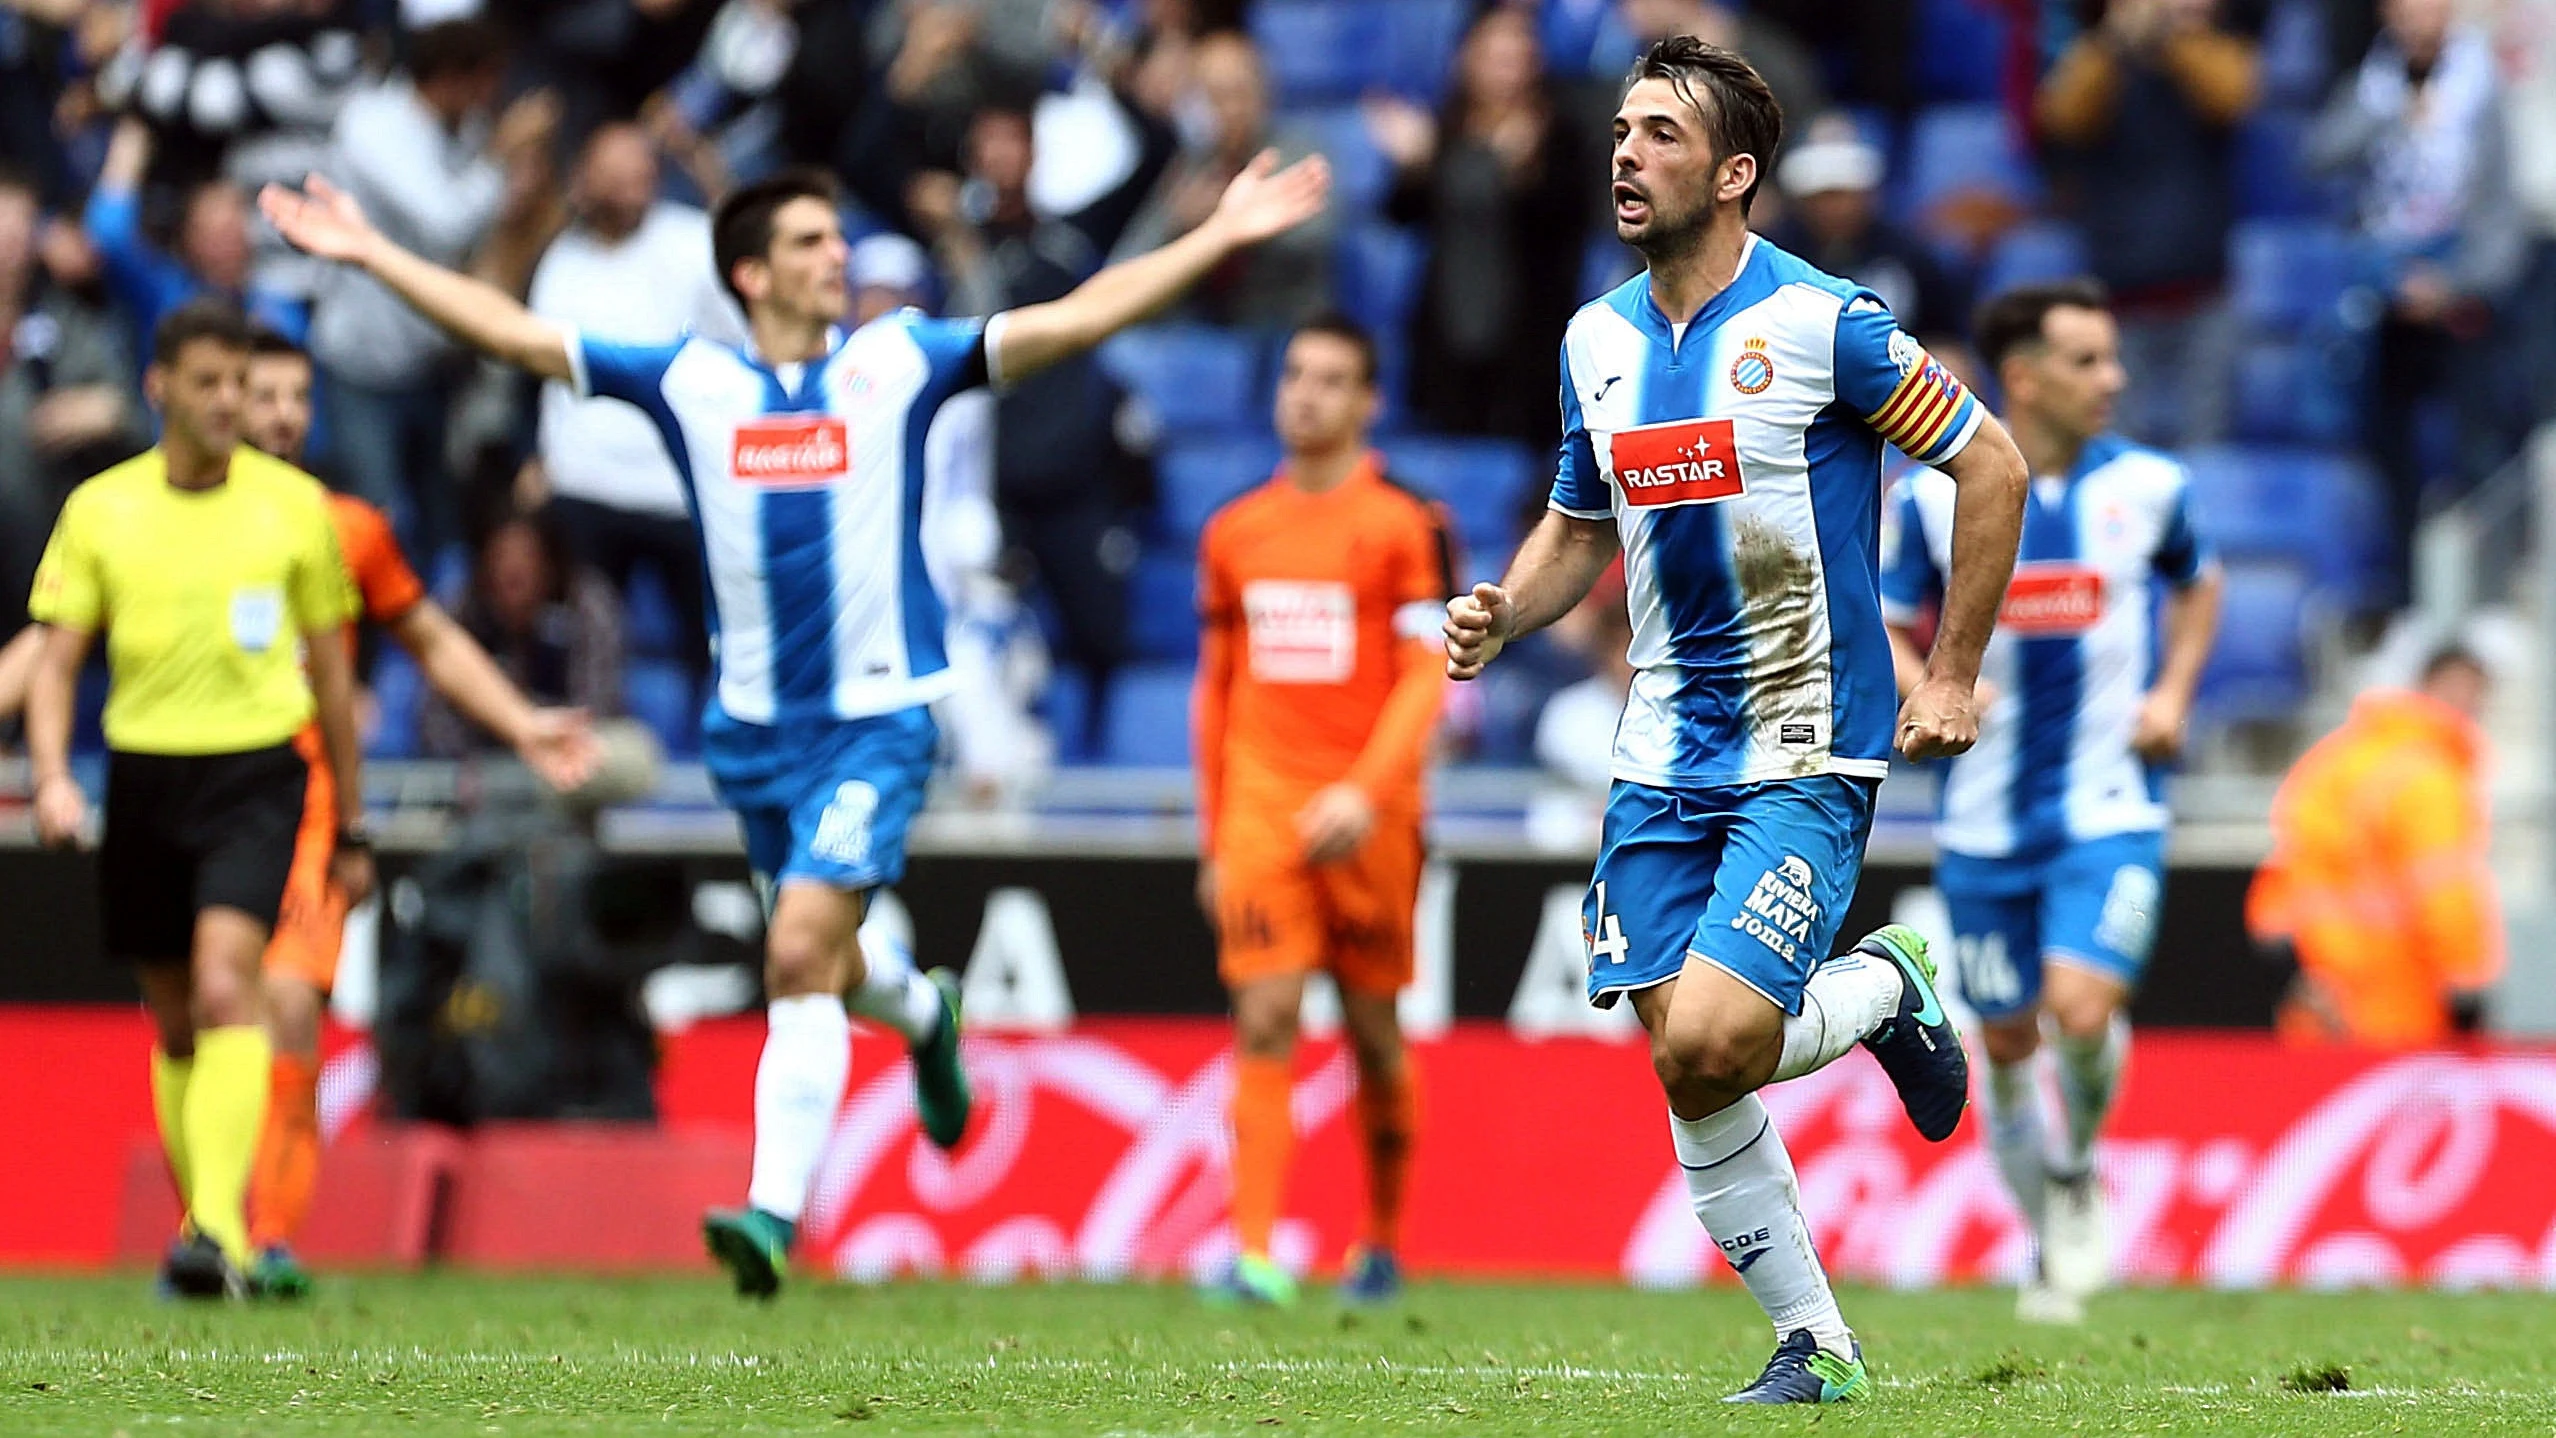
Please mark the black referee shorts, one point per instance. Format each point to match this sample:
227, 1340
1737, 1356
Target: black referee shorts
189, 832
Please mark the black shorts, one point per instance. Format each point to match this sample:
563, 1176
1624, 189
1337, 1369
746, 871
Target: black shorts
190, 832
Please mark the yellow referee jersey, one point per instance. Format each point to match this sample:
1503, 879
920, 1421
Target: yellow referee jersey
204, 595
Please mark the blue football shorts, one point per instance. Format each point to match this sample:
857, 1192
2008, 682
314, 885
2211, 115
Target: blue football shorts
2092, 904
829, 801
1751, 878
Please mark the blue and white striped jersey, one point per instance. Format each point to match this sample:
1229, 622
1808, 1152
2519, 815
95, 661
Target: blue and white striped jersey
2074, 652
806, 487
1740, 457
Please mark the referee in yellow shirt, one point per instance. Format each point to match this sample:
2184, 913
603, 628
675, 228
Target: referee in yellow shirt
214, 573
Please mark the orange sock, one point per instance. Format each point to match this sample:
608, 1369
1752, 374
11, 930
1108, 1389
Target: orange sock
1264, 1141
288, 1154
1389, 1122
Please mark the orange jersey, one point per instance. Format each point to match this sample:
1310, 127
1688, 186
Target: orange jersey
385, 587
1311, 605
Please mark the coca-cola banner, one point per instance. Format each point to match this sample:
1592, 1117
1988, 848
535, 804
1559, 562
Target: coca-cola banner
1100, 1152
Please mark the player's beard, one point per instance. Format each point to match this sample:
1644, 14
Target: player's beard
1672, 234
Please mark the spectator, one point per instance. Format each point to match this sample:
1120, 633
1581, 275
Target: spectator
551, 624
44, 45
1064, 466
997, 748
637, 268
1833, 181
2378, 884
211, 255
1502, 182
1288, 280
2419, 130
65, 410
2140, 113
418, 154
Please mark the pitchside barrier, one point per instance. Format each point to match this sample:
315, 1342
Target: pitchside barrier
1099, 1152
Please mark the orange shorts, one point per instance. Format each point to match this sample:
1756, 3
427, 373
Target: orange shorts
312, 926
1277, 914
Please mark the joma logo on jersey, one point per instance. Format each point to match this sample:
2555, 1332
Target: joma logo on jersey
784, 450
2052, 600
1687, 461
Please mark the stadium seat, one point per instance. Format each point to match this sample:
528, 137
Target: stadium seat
2258, 669
1377, 274
1194, 376
2294, 65
2317, 511
648, 618
2034, 252
2288, 391
1483, 482
1162, 605
1148, 721
1194, 478
2284, 274
1065, 707
2272, 179
1961, 49
398, 691
1360, 173
1965, 151
658, 693
1332, 49
1417, 48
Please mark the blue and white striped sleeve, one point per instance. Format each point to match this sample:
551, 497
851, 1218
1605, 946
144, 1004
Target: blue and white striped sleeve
1904, 393
632, 373
1578, 489
957, 354
2182, 554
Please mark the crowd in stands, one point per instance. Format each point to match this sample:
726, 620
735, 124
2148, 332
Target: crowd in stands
2335, 264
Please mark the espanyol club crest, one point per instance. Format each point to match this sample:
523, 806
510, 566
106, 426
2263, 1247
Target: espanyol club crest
1753, 371
1905, 353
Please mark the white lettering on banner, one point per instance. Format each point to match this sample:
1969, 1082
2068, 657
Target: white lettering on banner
1301, 631
1016, 975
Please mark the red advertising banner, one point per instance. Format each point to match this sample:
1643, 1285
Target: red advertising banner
1100, 1152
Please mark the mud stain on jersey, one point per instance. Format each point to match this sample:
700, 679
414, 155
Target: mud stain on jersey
1782, 613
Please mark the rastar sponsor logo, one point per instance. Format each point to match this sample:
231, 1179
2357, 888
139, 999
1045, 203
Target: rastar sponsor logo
2049, 600
1688, 461
789, 450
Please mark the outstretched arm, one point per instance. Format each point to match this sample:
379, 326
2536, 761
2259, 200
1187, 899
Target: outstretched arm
554, 743
1261, 202
325, 221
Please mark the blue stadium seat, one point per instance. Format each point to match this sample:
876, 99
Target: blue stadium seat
1417, 45
1961, 49
1332, 49
1194, 478
1483, 482
1360, 173
1194, 376
2287, 391
1148, 720
648, 618
1066, 709
2258, 670
2284, 274
1961, 149
2294, 67
1377, 274
658, 693
1162, 605
398, 691
2034, 252
1606, 263
2318, 512
2272, 179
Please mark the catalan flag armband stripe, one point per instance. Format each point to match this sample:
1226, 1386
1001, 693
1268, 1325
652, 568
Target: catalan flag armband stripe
1927, 414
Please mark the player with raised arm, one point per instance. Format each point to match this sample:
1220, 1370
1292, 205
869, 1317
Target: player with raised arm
801, 458
2053, 828
1724, 418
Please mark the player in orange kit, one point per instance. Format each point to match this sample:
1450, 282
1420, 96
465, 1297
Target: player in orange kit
1319, 677
301, 958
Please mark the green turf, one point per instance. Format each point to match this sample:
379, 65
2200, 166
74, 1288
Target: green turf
453, 1354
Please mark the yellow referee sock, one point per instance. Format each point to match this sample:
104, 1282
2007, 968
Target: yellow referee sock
225, 1112
169, 1081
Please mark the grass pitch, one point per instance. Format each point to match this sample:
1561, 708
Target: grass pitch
473, 1355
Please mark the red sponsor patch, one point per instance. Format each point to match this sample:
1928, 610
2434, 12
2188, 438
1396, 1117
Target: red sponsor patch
791, 449
1687, 461
2052, 599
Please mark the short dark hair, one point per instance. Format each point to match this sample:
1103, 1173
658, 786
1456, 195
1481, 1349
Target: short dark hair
455, 47
204, 318
1744, 118
2011, 319
1333, 324
2454, 655
741, 227
14, 178
268, 342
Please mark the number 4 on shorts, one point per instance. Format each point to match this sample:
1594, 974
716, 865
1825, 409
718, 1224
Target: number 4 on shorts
1606, 941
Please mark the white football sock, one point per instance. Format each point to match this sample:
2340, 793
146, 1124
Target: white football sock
2089, 1076
1847, 998
798, 1086
1741, 1183
895, 993
2015, 1135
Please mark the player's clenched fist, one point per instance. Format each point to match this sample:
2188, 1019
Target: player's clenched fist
1478, 624
1940, 719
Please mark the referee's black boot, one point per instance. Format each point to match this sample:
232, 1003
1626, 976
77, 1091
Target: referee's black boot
198, 1268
